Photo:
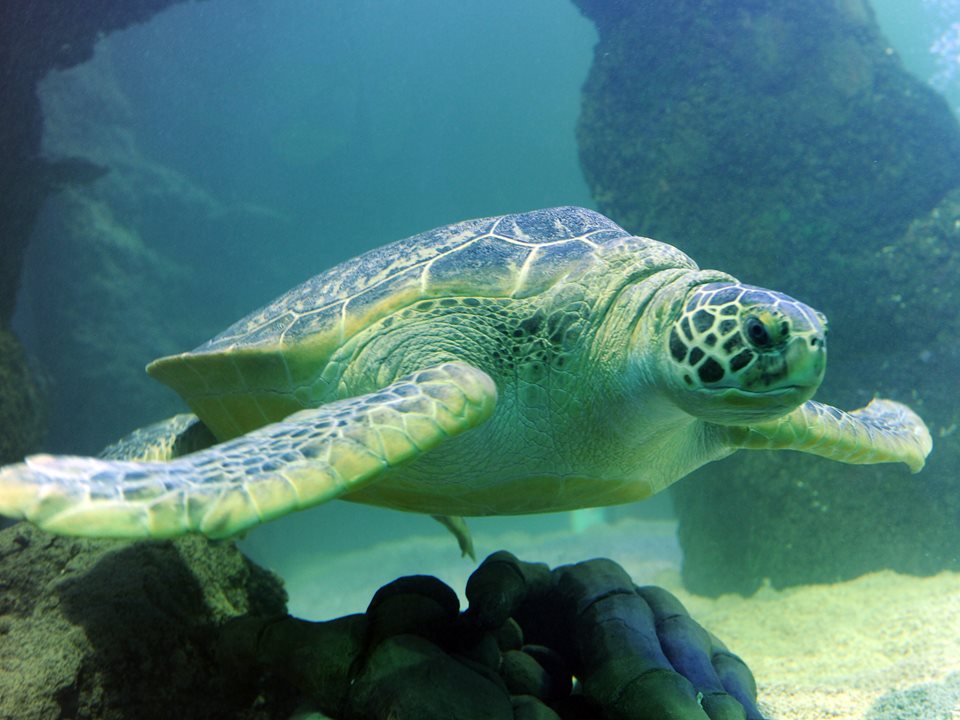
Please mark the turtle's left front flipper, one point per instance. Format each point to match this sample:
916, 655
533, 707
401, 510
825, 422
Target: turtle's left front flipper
311, 456
883, 431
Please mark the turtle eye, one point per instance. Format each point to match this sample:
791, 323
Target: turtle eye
757, 332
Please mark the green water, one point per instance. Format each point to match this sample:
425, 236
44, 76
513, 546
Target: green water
252, 145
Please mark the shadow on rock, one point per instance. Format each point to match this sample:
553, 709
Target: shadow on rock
118, 630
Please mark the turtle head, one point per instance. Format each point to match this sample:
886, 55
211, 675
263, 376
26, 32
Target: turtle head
739, 354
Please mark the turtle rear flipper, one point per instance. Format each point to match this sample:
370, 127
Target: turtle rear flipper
883, 431
168, 439
310, 457
458, 528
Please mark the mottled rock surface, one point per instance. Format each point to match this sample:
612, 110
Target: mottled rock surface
116, 630
712, 125
21, 402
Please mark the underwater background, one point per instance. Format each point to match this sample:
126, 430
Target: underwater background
204, 159
248, 153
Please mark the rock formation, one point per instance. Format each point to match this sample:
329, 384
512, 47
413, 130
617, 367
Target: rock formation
36, 37
116, 630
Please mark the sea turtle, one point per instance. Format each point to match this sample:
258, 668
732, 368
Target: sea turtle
517, 364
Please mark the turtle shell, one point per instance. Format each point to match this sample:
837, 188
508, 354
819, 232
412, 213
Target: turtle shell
268, 365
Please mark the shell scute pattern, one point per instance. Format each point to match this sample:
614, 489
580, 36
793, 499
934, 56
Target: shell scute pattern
556, 225
514, 255
544, 264
488, 267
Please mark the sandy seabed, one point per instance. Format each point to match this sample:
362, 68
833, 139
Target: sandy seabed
882, 647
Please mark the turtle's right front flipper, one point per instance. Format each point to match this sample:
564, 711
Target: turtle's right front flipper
883, 431
311, 456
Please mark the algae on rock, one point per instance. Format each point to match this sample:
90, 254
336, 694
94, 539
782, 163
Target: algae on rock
21, 402
115, 630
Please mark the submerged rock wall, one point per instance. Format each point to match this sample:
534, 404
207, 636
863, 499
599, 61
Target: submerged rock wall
21, 402
113, 630
36, 37
750, 129
785, 143
105, 270
117, 272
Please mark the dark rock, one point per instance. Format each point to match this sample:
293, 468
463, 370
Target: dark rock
322, 665
22, 406
609, 634
581, 585
686, 644
527, 707
577, 707
649, 695
509, 635
556, 667
737, 680
409, 678
418, 604
723, 707
634, 659
499, 585
727, 685
116, 630
618, 642
590, 587
525, 676
481, 648
488, 670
